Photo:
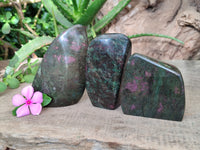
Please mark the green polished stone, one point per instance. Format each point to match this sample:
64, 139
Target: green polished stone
62, 71
151, 88
106, 57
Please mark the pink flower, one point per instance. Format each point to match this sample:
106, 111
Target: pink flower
30, 101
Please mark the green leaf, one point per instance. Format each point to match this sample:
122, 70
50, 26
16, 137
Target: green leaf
2, 18
27, 50
34, 70
55, 23
27, 20
29, 61
29, 78
28, 71
68, 2
61, 29
8, 77
84, 5
75, 5
17, 73
49, 5
26, 33
34, 63
21, 78
45, 25
111, 15
65, 9
13, 83
46, 100
8, 15
14, 20
156, 35
90, 13
3, 87
14, 111
6, 28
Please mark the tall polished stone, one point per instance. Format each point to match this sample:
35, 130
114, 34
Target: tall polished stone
62, 71
151, 88
106, 57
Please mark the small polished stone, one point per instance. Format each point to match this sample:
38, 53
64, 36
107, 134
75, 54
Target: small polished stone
106, 57
62, 71
151, 88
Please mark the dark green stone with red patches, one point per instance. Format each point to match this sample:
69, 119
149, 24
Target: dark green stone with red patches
62, 71
152, 89
106, 57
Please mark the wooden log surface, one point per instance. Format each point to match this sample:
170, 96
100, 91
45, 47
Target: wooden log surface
180, 19
84, 127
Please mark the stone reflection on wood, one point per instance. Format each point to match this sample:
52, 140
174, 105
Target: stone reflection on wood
152, 89
106, 57
62, 71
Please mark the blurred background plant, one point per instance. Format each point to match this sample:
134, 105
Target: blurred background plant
30, 25
21, 22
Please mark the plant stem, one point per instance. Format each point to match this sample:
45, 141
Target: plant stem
93, 32
54, 22
156, 35
18, 7
111, 15
6, 44
37, 15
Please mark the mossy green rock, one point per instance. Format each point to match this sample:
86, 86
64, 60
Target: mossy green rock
151, 88
62, 71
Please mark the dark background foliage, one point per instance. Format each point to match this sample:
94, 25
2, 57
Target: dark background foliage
37, 18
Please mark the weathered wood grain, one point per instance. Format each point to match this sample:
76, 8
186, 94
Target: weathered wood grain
84, 127
180, 19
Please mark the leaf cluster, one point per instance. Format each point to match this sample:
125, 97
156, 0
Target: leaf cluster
14, 79
65, 13
14, 31
71, 12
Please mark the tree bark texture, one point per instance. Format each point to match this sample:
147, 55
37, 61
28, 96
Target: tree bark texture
178, 18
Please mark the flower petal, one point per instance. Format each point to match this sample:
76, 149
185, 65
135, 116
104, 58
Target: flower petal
35, 108
37, 97
17, 100
23, 111
28, 92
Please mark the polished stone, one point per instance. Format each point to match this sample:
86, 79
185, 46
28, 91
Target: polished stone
106, 57
152, 89
62, 71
